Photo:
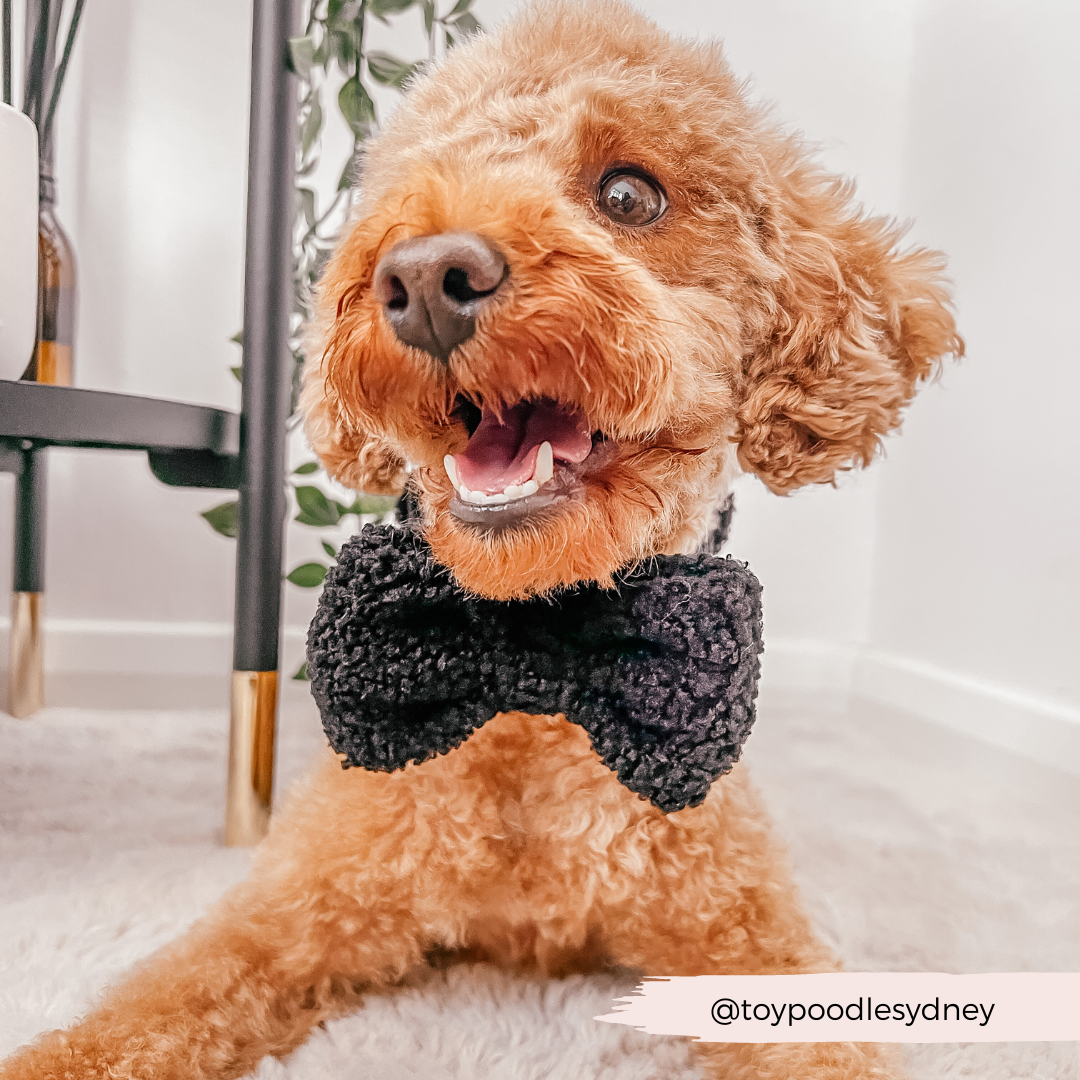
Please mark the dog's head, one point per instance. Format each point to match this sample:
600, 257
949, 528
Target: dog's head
584, 280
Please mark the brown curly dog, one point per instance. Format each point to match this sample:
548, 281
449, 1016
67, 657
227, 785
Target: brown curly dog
585, 284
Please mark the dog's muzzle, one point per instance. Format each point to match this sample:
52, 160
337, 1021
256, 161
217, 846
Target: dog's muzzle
433, 287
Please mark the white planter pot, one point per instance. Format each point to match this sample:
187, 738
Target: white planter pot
18, 240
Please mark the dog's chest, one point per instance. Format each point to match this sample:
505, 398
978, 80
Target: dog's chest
546, 785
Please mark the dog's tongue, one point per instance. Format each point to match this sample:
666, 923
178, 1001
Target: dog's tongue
502, 451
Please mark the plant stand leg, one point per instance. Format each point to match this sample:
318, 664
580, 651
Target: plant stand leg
251, 756
26, 672
264, 409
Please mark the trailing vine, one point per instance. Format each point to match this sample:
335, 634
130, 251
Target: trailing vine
331, 52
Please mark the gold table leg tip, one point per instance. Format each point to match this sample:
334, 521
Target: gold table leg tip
253, 708
26, 668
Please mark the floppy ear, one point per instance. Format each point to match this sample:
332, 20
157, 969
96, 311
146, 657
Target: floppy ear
856, 324
356, 459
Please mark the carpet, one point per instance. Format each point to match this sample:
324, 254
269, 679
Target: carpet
915, 849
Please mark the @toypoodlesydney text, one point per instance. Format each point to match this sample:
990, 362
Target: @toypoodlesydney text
727, 1010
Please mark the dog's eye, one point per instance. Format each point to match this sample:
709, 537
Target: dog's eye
629, 199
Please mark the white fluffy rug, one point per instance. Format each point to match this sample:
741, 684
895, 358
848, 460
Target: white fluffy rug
915, 849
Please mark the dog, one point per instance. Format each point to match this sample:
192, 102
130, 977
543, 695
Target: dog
586, 284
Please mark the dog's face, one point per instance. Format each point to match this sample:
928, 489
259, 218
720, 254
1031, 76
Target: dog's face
584, 277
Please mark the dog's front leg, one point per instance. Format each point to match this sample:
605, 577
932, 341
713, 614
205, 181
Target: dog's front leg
360, 875
711, 894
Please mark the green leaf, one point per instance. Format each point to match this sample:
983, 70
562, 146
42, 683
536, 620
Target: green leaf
329, 549
302, 55
464, 25
346, 178
321, 259
357, 107
371, 504
222, 519
315, 508
343, 49
306, 468
238, 338
460, 7
344, 11
301, 673
429, 15
306, 198
312, 126
238, 374
389, 70
381, 8
345, 23
309, 575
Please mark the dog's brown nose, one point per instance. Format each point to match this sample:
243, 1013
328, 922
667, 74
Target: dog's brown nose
433, 287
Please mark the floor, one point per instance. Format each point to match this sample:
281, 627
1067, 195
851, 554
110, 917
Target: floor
915, 848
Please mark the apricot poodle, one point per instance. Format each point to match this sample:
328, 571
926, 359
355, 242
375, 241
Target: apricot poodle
586, 283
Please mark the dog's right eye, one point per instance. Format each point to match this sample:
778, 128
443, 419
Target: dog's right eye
630, 199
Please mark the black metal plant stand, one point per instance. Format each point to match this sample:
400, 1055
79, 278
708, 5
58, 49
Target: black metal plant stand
195, 446
264, 409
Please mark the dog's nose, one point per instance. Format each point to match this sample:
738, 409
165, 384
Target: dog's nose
432, 288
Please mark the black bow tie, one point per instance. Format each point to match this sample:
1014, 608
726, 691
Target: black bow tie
661, 672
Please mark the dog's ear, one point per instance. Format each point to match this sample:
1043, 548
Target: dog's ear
854, 325
351, 456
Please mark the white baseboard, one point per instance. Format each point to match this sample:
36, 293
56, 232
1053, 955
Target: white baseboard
808, 666
1039, 728
1044, 730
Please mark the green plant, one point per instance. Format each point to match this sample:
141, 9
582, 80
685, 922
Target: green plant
331, 52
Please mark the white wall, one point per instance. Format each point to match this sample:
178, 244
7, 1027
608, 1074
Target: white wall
944, 578
978, 515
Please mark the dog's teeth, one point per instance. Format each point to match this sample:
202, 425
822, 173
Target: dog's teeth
544, 471
482, 498
545, 465
450, 465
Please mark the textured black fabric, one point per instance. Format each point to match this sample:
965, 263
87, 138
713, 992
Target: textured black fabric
718, 535
662, 673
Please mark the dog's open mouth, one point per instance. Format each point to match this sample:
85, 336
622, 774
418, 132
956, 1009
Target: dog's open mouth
520, 460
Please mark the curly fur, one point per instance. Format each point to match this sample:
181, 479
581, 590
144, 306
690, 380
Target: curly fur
763, 318
764, 312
